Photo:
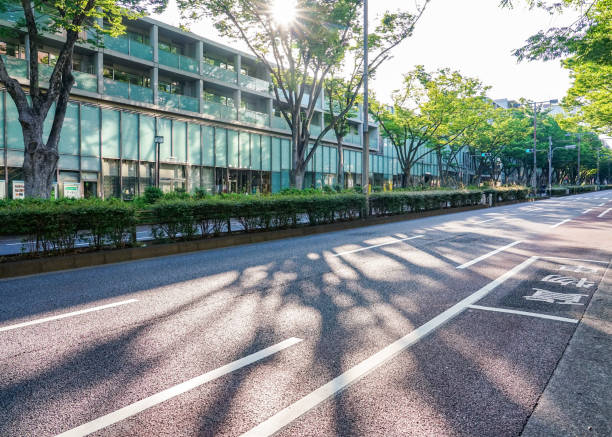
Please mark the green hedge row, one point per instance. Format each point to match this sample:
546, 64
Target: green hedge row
572, 189
391, 202
188, 218
50, 226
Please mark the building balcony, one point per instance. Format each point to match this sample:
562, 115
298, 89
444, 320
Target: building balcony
218, 110
330, 136
129, 47
280, 123
177, 61
254, 117
178, 101
128, 91
254, 84
218, 73
353, 138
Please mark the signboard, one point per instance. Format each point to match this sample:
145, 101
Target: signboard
2, 189
18, 190
72, 190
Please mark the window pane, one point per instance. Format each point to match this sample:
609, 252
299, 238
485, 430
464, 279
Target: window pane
164, 129
110, 133
147, 138
69, 138
220, 147
276, 158
195, 149
256, 152
265, 153
232, 148
286, 153
326, 168
90, 130
245, 152
179, 140
208, 157
129, 135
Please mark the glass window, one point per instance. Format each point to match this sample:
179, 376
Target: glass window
286, 154
232, 148
111, 183
256, 152
69, 138
245, 152
129, 135
179, 140
208, 152
220, 147
164, 129
147, 138
110, 133
90, 130
147, 176
14, 134
129, 179
266, 153
276, 155
195, 148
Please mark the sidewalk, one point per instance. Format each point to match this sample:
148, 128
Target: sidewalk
578, 398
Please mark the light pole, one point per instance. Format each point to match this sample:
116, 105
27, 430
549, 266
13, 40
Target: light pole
159, 140
534, 177
365, 161
550, 156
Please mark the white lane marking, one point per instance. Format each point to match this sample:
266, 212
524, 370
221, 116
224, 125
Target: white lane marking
588, 210
604, 213
524, 313
151, 401
292, 412
378, 245
487, 255
575, 259
560, 223
484, 221
602, 204
63, 316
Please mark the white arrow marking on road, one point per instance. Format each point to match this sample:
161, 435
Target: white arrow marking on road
604, 213
487, 255
336, 385
63, 316
151, 401
378, 245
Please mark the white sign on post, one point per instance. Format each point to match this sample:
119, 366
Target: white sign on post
72, 190
18, 190
2, 189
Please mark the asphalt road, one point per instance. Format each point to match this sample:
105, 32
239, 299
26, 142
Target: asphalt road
450, 325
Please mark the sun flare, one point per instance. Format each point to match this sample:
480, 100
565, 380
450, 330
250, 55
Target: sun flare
283, 11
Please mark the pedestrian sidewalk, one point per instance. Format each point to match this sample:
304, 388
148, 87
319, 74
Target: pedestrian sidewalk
578, 398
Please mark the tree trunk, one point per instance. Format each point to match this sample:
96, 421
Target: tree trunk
406, 177
340, 169
298, 178
39, 167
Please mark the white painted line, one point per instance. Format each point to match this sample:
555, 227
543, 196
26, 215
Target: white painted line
602, 204
604, 213
575, 259
560, 223
378, 245
588, 210
524, 313
487, 255
63, 316
484, 221
292, 412
151, 401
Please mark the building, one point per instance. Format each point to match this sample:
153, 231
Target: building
211, 104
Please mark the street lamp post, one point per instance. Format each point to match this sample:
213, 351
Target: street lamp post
159, 140
534, 177
365, 161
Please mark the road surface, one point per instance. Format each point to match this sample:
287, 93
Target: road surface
451, 325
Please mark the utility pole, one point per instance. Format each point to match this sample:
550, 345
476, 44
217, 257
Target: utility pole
534, 178
549, 165
578, 172
365, 162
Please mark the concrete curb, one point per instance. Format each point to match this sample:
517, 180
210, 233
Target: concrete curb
13, 269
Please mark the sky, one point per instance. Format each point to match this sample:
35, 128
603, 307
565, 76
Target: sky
476, 37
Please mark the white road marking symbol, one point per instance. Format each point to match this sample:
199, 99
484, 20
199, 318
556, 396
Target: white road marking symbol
552, 297
568, 280
579, 269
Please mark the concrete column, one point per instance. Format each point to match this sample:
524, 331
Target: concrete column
153, 37
99, 66
199, 56
270, 104
237, 101
154, 84
238, 67
198, 92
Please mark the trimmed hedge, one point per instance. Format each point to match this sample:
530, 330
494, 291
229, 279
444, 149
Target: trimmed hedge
56, 226
187, 218
566, 190
389, 203
507, 194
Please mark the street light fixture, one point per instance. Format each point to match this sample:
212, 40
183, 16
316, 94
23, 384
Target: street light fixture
365, 161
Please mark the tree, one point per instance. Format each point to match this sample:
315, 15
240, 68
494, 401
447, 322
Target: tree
43, 17
300, 54
431, 111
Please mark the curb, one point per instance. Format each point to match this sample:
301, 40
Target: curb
14, 269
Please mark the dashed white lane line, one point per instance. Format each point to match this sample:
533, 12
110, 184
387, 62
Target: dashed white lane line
378, 245
487, 255
587, 210
523, 313
604, 213
354, 374
484, 221
151, 401
602, 204
560, 223
575, 259
65, 315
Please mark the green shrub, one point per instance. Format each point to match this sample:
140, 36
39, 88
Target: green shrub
152, 194
398, 202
